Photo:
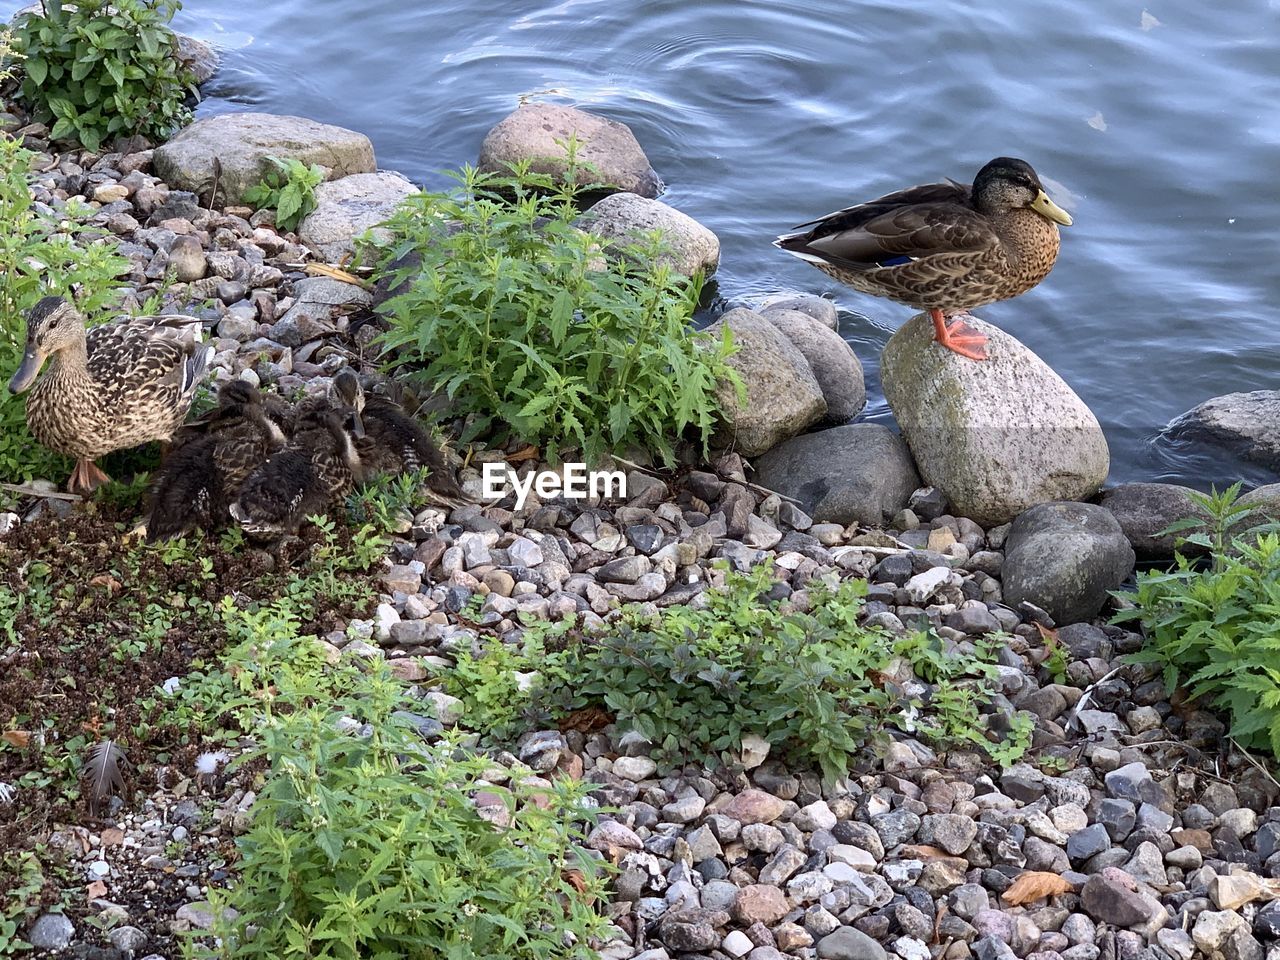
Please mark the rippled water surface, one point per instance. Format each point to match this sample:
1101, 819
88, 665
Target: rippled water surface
1156, 125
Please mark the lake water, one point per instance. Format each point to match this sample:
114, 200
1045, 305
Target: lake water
1156, 125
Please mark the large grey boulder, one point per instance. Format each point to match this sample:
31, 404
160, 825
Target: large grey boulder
621, 219
858, 473
830, 358
537, 132
1264, 506
346, 208
201, 59
1065, 558
1245, 424
242, 142
783, 396
996, 436
1144, 510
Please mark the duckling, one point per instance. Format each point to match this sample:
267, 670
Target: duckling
942, 247
316, 469
233, 397
390, 441
211, 461
118, 385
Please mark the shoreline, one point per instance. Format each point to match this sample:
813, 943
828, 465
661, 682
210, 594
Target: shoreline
914, 853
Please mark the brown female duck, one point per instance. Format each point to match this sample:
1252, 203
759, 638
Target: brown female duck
116, 386
942, 247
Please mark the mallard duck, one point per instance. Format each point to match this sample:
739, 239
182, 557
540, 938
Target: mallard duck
314, 471
116, 386
389, 441
942, 247
211, 459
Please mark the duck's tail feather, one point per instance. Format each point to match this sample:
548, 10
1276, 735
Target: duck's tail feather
796, 244
196, 368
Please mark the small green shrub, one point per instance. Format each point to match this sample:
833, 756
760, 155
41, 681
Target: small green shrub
289, 190
496, 702
370, 844
15, 901
97, 69
1215, 627
528, 324
815, 684
38, 258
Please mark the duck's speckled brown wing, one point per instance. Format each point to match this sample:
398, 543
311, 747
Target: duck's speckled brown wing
136, 355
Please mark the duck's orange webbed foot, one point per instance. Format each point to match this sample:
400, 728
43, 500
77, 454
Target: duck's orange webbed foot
958, 336
86, 477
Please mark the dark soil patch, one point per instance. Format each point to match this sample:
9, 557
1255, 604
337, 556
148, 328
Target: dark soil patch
92, 623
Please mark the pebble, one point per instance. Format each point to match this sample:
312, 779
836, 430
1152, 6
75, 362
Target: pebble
52, 932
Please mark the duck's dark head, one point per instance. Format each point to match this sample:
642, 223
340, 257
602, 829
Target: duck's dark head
236, 395
350, 395
52, 325
1007, 184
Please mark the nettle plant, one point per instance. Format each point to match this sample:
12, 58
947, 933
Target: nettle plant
367, 841
1214, 626
97, 69
531, 327
823, 690
289, 189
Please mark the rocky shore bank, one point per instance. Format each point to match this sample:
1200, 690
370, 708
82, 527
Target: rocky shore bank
1130, 829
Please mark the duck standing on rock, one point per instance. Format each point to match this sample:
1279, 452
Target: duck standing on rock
116, 386
942, 247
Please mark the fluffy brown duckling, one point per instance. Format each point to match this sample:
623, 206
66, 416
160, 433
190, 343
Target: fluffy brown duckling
317, 468
389, 441
210, 461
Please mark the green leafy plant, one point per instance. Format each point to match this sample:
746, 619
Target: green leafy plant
97, 69
14, 902
1215, 627
372, 843
529, 325
693, 682
496, 687
289, 189
39, 257
387, 502
162, 648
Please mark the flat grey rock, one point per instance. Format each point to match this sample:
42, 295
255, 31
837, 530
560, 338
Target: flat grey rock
242, 142
857, 473
347, 208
